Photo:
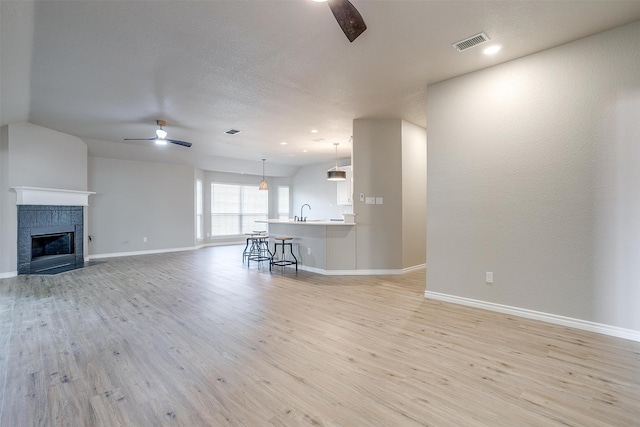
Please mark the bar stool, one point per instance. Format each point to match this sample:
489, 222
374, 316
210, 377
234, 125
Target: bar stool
283, 241
259, 250
251, 239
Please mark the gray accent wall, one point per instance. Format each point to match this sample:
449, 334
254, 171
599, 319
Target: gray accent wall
135, 200
533, 174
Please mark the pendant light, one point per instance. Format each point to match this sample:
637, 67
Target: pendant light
263, 183
334, 174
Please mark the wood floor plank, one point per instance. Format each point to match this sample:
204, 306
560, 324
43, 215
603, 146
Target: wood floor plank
198, 339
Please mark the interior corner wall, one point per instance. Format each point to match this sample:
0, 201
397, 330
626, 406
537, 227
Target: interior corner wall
533, 172
35, 156
377, 172
135, 200
414, 195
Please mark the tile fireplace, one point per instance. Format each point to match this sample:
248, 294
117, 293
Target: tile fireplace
50, 238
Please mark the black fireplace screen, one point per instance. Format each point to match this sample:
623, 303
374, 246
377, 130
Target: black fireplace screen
52, 244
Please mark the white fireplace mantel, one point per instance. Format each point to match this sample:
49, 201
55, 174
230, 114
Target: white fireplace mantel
51, 196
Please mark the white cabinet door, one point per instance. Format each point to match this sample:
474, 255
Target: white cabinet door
345, 188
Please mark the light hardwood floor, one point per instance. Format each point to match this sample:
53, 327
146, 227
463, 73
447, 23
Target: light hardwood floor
198, 339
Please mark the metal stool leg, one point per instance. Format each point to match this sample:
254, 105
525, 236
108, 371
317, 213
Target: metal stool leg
291, 251
283, 262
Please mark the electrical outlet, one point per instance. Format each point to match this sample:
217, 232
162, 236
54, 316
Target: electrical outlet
489, 277
362, 197
308, 251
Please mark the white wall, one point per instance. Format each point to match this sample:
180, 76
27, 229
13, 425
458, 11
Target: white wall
37, 157
134, 200
310, 186
533, 172
41, 157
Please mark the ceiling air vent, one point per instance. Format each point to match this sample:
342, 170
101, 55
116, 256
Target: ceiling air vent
470, 42
231, 131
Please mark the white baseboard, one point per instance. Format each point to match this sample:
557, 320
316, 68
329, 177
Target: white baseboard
222, 243
162, 251
585, 325
414, 268
387, 272
135, 253
8, 274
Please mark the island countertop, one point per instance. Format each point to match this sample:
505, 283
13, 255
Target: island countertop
307, 222
321, 246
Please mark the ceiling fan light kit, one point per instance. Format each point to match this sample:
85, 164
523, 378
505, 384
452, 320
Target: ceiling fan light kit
161, 134
161, 137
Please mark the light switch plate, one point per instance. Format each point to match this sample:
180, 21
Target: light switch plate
370, 201
378, 200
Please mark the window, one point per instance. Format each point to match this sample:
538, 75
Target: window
235, 208
199, 209
283, 202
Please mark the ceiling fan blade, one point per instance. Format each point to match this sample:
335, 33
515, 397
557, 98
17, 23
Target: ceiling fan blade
348, 18
140, 139
183, 143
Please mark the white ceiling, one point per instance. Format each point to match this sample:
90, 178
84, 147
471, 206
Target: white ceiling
106, 70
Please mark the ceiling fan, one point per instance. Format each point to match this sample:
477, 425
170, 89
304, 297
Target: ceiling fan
161, 137
348, 18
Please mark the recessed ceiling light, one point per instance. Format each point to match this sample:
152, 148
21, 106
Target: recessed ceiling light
283, 143
314, 130
492, 49
304, 151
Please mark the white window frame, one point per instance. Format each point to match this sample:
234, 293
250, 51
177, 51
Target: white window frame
242, 216
199, 211
283, 213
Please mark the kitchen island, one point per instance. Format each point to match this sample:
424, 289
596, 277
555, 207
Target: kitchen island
326, 247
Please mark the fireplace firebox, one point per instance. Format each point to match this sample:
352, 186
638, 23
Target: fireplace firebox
52, 248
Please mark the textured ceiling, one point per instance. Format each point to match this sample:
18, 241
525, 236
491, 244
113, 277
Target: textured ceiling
106, 70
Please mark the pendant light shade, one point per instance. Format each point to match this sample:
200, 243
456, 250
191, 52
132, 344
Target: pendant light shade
334, 174
263, 183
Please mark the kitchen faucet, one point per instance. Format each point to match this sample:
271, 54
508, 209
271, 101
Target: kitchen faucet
302, 207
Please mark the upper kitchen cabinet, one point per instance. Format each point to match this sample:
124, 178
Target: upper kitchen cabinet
345, 188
